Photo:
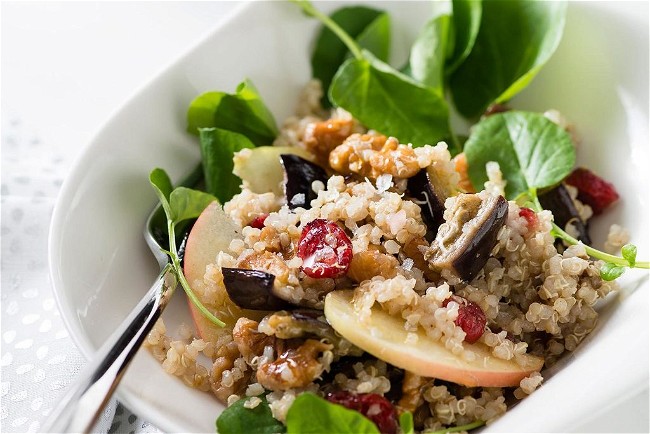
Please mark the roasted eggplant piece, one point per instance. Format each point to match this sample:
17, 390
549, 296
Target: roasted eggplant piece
425, 188
464, 242
559, 202
252, 289
298, 177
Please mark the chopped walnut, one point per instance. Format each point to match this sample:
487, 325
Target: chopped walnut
268, 262
367, 264
322, 137
251, 342
225, 360
373, 155
270, 236
295, 367
412, 387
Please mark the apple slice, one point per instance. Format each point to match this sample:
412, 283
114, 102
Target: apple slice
385, 338
212, 233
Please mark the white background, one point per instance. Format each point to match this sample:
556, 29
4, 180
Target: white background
66, 67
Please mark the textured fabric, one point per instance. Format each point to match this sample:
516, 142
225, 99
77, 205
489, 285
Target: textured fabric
38, 357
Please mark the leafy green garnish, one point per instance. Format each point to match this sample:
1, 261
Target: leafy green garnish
243, 112
310, 414
390, 102
217, 149
466, 20
532, 151
406, 423
427, 59
369, 27
237, 419
180, 204
629, 254
515, 39
381, 97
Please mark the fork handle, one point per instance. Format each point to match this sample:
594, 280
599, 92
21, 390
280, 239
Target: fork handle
83, 403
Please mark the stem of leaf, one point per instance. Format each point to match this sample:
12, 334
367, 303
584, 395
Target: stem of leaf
183, 281
558, 232
617, 260
335, 28
460, 428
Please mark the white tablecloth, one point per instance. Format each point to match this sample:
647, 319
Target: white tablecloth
65, 68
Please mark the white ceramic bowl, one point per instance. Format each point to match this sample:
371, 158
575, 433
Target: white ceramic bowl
101, 266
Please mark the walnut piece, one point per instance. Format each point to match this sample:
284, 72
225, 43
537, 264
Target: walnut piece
251, 342
295, 367
371, 155
322, 137
411, 392
370, 263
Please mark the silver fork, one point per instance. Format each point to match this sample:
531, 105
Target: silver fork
83, 403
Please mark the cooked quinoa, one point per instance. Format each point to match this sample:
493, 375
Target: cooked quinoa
536, 300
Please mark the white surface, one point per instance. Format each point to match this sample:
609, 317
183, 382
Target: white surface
84, 80
65, 68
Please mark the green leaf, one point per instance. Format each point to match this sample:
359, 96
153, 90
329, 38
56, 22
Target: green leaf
385, 100
310, 414
238, 419
611, 271
515, 39
466, 19
427, 59
201, 112
217, 149
162, 185
532, 151
406, 423
369, 27
186, 203
243, 112
629, 254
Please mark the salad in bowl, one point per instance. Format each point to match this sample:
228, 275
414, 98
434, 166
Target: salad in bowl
369, 266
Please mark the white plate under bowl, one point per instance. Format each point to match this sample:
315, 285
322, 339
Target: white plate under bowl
100, 264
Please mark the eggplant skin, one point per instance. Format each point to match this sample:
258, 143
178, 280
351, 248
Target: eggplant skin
251, 289
432, 206
299, 174
559, 202
464, 243
477, 251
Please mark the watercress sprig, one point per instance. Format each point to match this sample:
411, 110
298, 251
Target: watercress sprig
181, 204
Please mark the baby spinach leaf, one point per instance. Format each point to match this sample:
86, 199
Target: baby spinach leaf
515, 39
186, 203
238, 419
532, 151
385, 100
369, 27
466, 19
310, 414
217, 149
427, 59
243, 112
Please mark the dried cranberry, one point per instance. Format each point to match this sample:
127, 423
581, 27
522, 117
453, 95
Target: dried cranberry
530, 216
471, 318
258, 222
375, 407
325, 249
592, 189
